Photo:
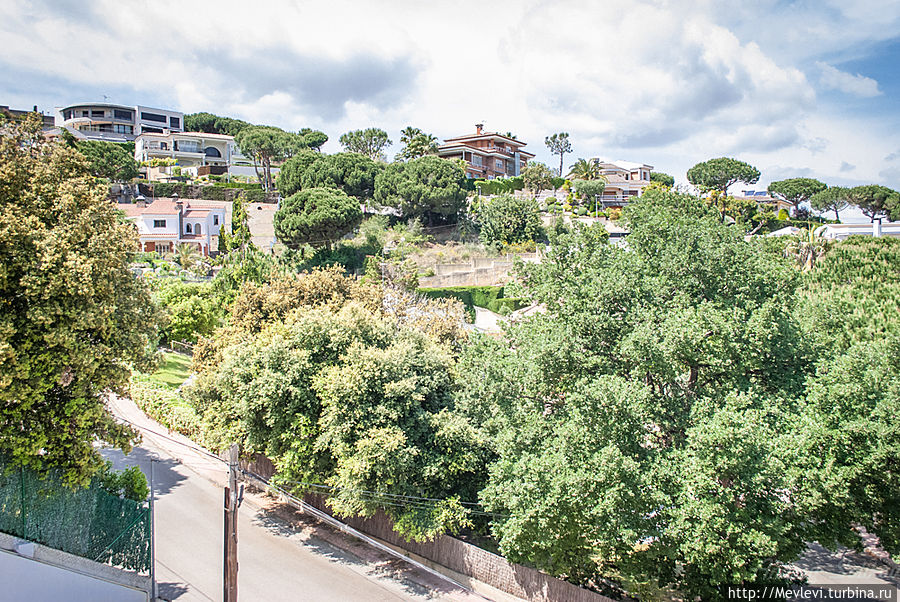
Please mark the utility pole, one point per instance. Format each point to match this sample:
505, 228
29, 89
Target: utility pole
232, 502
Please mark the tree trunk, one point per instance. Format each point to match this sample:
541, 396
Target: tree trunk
836, 216
560, 164
256, 169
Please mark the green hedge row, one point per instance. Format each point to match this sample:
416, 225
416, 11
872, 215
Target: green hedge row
487, 297
208, 193
241, 185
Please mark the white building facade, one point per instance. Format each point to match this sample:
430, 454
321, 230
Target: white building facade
166, 223
116, 123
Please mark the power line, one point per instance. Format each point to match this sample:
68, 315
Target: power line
389, 499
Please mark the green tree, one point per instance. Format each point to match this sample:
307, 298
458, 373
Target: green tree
267, 145
537, 177
316, 216
639, 425
873, 200
351, 172
74, 318
189, 309
585, 169
559, 145
719, 174
506, 219
796, 190
834, 199
109, 160
428, 186
290, 177
370, 142
662, 178
416, 143
589, 190
214, 124
240, 237
313, 139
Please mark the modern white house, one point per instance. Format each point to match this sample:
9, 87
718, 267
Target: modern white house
196, 153
625, 180
843, 231
114, 122
165, 223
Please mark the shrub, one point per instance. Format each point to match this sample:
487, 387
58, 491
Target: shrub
582, 211
614, 213
487, 297
551, 200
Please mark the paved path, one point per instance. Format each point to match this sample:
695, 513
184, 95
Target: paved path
844, 567
276, 561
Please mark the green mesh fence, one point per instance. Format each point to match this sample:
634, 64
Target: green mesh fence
88, 522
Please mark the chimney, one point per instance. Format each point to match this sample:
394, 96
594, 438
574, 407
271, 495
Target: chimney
179, 207
478, 128
140, 201
876, 227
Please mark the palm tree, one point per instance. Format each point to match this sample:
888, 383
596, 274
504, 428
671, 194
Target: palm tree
187, 255
585, 169
806, 248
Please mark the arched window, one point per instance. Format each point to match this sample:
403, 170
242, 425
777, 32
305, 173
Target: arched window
197, 229
187, 228
212, 151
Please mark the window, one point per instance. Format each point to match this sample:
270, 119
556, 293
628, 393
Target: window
476, 160
187, 146
215, 220
124, 129
67, 115
159, 223
212, 151
85, 113
120, 114
197, 229
153, 117
163, 146
187, 228
498, 163
174, 122
98, 114
147, 130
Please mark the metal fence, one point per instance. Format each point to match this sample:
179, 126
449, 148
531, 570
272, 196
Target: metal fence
88, 522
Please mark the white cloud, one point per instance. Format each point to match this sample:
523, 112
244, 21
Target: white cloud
833, 78
669, 82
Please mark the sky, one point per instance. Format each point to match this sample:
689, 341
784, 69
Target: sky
797, 89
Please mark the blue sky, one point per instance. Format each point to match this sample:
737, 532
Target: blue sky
807, 88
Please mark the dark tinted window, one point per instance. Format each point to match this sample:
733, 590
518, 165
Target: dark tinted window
153, 117
174, 122
120, 114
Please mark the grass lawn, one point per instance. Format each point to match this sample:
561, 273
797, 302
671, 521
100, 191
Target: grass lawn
173, 370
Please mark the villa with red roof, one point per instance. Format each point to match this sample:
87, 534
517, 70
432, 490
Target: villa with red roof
165, 223
488, 155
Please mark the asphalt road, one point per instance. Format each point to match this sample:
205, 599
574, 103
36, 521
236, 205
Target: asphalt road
275, 563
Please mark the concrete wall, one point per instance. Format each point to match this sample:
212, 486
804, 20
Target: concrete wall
42, 573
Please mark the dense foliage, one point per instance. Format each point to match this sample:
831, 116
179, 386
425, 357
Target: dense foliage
73, 317
213, 124
352, 173
109, 160
508, 219
719, 174
662, 178
796, 190
428, 186
369, 142
316, 216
